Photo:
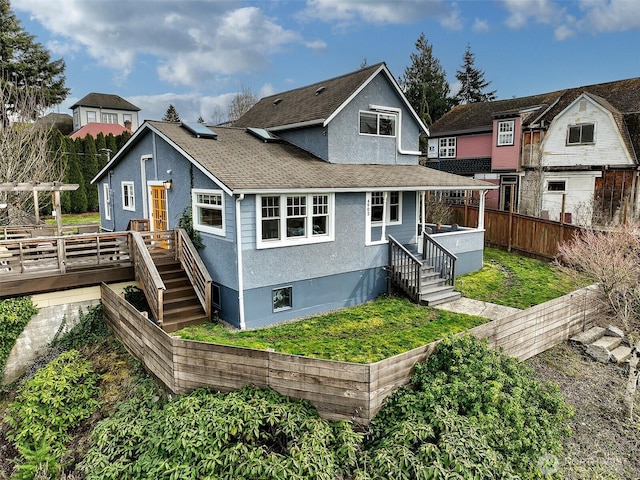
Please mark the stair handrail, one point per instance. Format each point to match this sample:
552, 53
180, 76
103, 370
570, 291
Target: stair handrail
148, 276
442, 260
195, 268
405, 269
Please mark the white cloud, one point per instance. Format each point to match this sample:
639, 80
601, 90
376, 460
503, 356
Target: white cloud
346, 12
480, 26
188, 105
610, 15
317, 45
540, 11
191, 41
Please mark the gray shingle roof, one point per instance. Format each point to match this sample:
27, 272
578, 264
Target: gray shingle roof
105, 100
314, 102
245, 164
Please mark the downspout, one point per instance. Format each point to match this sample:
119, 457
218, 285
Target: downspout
239, 199
380, 108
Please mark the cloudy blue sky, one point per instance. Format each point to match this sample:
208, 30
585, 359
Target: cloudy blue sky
197, 55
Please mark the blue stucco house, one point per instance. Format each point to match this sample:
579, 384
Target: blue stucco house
296, 202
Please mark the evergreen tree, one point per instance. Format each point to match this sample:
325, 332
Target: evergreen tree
200, 119
24, 63
112, 144
76, 200
101, 146
171, 115
472, 82
90, 170
424, 83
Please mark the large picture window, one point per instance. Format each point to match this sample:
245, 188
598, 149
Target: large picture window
378, 123
208, 211
109, 118
294, 219
580, 134
128, 197
506, 131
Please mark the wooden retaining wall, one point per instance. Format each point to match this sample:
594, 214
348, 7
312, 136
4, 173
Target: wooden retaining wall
339, 390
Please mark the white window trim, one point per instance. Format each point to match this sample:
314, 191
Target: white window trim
387, 210
449, 149
194, 211
94, 116
369, 224
132, 204
378, 114
581, 125
106, 194
511, 133
309, 238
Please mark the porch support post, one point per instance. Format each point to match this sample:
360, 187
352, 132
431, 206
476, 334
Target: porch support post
481, 210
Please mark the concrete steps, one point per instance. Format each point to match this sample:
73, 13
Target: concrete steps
604, 344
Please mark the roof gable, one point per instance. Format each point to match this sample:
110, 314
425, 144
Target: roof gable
317, 103
105, 100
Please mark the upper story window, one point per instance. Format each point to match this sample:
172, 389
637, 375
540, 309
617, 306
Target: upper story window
208, 211
581, 134
506, 131
91, 116
294, 219
378, 123
394, 208
109, 118
128, 197
447, 147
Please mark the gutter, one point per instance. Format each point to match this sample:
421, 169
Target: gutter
243, 325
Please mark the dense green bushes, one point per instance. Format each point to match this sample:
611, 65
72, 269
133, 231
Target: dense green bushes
247, 434
46, 407
472, 411
15, 313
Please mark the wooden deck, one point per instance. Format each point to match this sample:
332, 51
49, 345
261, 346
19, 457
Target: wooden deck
44, 264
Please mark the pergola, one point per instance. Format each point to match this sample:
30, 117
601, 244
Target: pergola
35, 187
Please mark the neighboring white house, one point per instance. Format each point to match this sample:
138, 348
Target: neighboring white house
104, 108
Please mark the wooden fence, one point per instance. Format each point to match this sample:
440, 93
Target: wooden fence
531, 236
339, 390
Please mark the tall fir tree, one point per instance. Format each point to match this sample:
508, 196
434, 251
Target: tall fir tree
424, 83
76, 200
101, 148
112, 144
171, 115
121, 140
25, 63
472, 82
90, 170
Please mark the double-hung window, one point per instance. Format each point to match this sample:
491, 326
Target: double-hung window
128, 197
581, 134
447, 147
294, 219
208, 211
506, 132
91, 116
378, 123
109, 118
393, 211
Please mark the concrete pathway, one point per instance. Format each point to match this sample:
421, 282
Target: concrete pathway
487, 310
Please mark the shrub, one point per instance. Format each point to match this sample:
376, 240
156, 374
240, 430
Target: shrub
15, 314
56, 399
90, 328
471, 410
247, 434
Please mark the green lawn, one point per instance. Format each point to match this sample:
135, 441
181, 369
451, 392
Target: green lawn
362, 334
72, 218
515, 281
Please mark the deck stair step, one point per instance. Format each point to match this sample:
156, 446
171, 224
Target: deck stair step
181, 306
437, 297
589, 336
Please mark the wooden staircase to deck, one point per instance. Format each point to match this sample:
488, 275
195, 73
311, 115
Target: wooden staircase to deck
180, 303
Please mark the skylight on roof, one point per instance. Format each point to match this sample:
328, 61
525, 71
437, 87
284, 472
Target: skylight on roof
320, 90
263, 134
199, 130
277, 101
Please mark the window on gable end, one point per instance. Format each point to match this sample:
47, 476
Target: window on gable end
447, 147
581, 134
128, 197
378, 123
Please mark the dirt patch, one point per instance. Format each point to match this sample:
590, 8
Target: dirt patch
605, 443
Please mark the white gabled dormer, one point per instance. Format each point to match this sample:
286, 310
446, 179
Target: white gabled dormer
589, 132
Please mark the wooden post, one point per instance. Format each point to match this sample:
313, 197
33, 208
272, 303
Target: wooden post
510, 233
36, 207
466, 207
58, 210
